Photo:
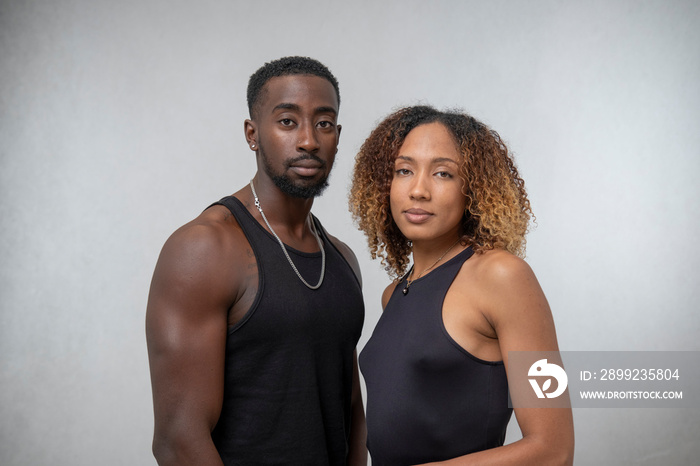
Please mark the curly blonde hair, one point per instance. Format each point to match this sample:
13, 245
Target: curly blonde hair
497, 213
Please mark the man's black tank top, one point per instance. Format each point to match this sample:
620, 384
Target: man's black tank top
428, 399
289, 361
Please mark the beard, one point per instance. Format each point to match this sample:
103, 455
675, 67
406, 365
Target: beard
287, 186
295, 188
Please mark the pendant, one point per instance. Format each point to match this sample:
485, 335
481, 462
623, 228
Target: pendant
405, 290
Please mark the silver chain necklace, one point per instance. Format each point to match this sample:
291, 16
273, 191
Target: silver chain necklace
284, 249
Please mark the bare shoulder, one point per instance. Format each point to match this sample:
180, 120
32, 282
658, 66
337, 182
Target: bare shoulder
510, 297
204, 254
347, 253
213, 235
498, 270
502, 285
499, 262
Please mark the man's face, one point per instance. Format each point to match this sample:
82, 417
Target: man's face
297, 133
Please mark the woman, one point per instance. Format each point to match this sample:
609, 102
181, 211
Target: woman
441, 186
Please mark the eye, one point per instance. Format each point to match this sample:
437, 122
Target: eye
286, 122
325, 124
443, 174
402, 172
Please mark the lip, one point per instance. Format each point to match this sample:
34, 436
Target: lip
417, 215
306, 167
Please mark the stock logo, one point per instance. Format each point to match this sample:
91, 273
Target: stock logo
542, 368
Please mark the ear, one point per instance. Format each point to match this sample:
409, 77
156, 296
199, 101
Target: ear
337, 138
250, 130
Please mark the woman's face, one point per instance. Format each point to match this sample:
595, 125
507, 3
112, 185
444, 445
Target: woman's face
426, 192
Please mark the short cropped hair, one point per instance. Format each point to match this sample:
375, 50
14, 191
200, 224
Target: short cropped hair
497, 213
283, 67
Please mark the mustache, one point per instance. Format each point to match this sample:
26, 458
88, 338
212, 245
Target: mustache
305, 156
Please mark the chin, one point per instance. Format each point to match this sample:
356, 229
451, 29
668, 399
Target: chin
415, 233
412, 235
300, 189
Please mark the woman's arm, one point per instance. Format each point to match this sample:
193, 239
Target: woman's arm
511, 299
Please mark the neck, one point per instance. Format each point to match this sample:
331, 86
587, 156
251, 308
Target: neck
425, 254
287, 217
279, 207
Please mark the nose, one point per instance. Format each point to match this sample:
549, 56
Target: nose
307, 142
419, 189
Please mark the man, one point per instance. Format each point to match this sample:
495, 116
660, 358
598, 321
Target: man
254, 310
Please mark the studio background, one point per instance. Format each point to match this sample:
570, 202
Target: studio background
121, 121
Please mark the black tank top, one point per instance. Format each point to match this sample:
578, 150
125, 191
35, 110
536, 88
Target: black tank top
289, 361
427, 398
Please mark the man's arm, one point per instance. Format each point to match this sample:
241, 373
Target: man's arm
186, 324
358, 429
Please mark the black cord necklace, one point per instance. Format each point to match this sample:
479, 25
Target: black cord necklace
409, 280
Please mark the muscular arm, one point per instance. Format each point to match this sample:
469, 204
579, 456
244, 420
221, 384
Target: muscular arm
513, 302
358, 430
186, 323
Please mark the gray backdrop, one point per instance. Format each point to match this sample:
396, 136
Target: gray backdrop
120, 121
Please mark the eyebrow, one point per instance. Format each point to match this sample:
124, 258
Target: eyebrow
408, 158
295, 107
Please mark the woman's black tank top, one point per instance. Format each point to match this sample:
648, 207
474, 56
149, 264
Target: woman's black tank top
428, 399
289, 361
